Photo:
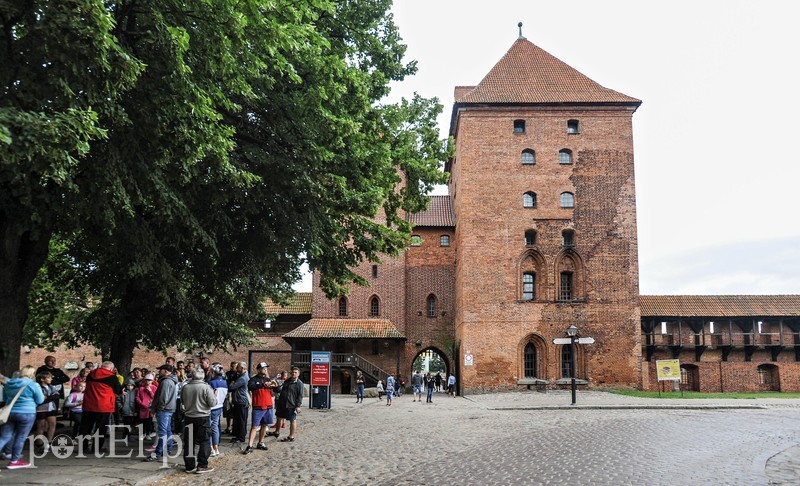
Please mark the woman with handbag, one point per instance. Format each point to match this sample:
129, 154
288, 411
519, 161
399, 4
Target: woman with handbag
21, 395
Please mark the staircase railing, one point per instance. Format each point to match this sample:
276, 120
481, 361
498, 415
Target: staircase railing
345, 359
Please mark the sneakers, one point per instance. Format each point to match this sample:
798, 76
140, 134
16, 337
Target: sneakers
262, 446
247, 450
214, 453
203, 470
151, 448
5, 456
194, 469
19, 464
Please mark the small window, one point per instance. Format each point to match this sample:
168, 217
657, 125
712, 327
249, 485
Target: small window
529, 200
376, 346
528, 286
530, 237
565, 157
565, 289
567, 200
342, 306
568, 238
416, 240
374, 271
374, 307
431, 306
573, 127
519, 126
528, 157
444, 240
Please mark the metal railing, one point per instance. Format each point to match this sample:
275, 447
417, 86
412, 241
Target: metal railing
346, 360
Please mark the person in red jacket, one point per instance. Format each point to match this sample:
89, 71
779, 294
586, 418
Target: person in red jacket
261, 386
99, 402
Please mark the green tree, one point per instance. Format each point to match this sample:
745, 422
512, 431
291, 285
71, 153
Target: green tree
61, 69
254, 135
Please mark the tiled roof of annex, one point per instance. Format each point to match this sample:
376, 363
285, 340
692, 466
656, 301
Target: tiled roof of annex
438, 213
346, 329
299, 303
528, 74
719, 305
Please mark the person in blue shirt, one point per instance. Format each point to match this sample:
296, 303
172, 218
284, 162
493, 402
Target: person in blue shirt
23, 412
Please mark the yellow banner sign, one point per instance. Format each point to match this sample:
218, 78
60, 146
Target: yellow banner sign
668, 369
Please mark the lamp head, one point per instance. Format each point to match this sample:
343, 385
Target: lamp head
572, 330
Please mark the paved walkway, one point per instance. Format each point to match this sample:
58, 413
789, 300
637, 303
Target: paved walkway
524, 438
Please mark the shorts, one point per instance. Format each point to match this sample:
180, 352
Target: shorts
287, 413
50, 413
417, 388
262, 417
451, 388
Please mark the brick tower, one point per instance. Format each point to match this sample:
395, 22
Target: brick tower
542, 186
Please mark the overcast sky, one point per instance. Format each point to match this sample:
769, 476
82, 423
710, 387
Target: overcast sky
715, 140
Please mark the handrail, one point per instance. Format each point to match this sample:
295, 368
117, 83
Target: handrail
374, 371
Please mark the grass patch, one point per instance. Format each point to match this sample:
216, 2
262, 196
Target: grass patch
691, 394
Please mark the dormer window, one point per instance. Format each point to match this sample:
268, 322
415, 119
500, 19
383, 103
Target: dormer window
528, 157
519, 126
573, 127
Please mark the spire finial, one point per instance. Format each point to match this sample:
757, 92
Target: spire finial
520, 30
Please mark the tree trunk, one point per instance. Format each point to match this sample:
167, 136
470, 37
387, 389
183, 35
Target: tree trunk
22, 253
121, 349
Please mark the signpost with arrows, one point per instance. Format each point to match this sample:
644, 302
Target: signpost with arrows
572, 332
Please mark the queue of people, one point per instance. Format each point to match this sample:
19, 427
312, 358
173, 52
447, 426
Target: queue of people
183, 398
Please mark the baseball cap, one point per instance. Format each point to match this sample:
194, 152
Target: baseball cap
149, 376
262, 365
167, 367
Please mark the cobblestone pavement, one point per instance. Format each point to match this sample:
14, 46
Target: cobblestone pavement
508, 438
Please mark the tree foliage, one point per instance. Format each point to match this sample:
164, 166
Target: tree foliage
243, 138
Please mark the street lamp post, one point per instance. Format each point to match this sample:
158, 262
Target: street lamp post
572, 331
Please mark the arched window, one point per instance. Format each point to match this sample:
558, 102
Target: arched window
530, 361
530, 237
567, 200
528, 157
529, 200
565, 157
374, 307
566, 361
528, 286
431, 306
342, 306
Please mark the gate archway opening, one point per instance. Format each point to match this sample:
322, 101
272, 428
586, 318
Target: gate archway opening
433, 361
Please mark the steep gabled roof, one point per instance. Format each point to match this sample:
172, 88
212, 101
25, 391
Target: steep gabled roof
719, 305
528, 74
438, 213
346, 329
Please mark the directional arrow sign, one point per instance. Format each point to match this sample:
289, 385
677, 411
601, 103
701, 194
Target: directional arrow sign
586, 340
561, 341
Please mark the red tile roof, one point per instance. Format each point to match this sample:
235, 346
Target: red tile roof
719, 305
528, 74
346, 329
438, 213
299, 303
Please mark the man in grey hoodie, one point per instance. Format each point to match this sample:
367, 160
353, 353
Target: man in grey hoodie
197, 398
163, 406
